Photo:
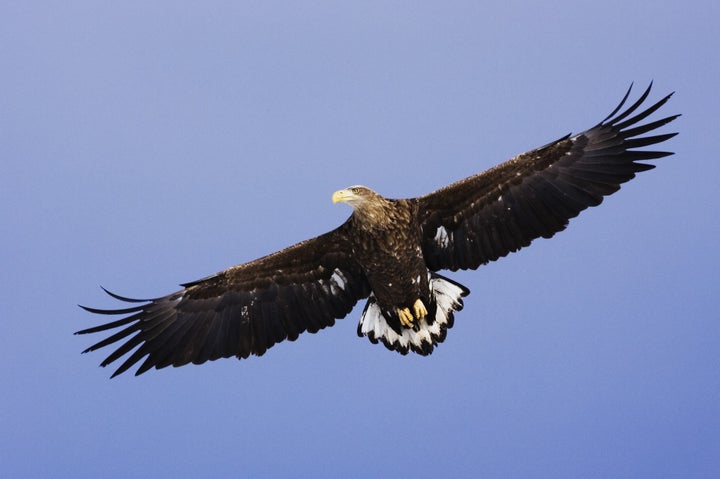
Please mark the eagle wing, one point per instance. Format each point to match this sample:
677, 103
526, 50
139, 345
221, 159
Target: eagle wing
240, 311
488, 215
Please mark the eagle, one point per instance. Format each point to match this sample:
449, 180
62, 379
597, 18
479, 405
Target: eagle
388, 251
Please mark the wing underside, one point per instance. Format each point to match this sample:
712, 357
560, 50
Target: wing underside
501, 210
241, 311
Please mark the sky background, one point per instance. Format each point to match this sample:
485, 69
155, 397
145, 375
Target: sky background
145, 144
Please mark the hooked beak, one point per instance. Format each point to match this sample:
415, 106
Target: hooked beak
341, 196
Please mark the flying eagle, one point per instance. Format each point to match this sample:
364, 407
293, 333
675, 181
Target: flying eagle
388, 251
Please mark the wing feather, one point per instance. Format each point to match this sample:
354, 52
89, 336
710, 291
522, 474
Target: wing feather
240, 311
501, 210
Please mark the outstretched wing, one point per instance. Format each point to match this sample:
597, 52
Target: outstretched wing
501, 210
240, 311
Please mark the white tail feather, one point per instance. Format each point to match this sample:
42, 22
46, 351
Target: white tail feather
448, 298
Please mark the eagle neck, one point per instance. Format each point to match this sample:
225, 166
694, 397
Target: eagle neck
380, 214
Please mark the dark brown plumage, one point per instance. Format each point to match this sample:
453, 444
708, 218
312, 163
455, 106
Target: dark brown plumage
388, 250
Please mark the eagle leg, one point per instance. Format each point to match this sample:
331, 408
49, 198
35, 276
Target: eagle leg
406, 317
420, 310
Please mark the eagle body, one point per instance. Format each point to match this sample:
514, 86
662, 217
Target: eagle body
387, 245
388, 251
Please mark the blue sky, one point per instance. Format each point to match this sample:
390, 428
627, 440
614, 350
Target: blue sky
145, 144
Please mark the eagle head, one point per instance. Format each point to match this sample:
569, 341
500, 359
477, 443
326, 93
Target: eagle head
369, 208
356, 196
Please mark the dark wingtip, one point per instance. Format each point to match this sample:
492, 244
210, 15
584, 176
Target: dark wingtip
620, 105
134, 309
123, 298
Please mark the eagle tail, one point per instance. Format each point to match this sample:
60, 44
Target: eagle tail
447, 296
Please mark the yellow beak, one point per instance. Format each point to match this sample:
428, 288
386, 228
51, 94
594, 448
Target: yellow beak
341, 196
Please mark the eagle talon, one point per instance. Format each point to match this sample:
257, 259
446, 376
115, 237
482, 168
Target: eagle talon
420, 310
406, 317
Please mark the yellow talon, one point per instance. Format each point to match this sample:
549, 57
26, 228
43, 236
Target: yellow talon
420, 311
406, 318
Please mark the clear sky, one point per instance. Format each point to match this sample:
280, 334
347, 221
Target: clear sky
145, 144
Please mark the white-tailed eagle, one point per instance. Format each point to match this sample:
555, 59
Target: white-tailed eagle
388, 251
